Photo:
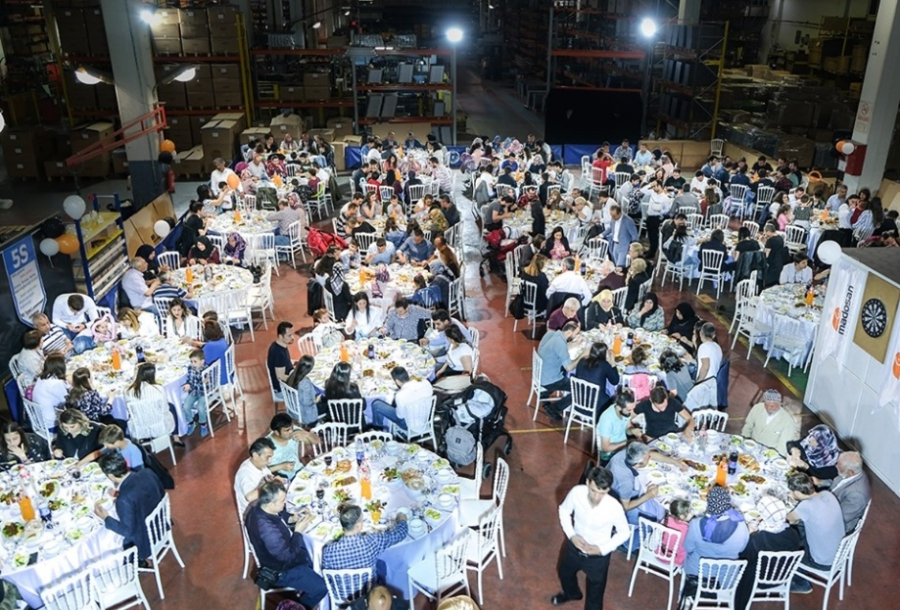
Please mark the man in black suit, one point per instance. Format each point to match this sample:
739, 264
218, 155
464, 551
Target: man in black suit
139, 494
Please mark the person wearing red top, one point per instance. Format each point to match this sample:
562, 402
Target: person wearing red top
603, 162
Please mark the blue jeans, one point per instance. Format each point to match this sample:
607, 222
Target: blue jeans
381, 411
82, 344
191, 404
303, 578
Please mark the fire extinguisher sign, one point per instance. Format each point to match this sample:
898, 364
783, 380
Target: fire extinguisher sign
863, 117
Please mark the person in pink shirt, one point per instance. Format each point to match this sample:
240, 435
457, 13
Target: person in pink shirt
678, 518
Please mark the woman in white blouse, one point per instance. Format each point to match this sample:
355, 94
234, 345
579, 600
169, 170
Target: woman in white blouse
147, 401
181, 324
460, 356
364, 319
50, 389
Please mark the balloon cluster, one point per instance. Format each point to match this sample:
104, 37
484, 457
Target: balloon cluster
845, 147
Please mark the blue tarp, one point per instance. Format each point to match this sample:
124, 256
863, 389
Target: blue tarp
558, 151
574, 152
352, 157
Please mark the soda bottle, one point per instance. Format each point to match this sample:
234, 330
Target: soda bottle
630, 341
360, 452
140, 353
732, 462
371, 352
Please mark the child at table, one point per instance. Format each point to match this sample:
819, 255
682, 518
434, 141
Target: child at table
113, 439
678, 518
193, 400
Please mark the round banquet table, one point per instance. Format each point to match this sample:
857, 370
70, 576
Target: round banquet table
251, 223
225, 278
40, 555
379, 221
593, 276
432, 523
693, 251
170, 356
401, 282
817, 226
783, 307
520, 223
760, 471
374, 376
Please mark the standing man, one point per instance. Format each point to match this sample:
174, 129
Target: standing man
139, 493
658, 208
620, 234
595, 524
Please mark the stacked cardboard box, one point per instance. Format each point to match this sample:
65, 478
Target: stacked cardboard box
166, 32
327, 134
96, 32
179, 131
342, 126
106, 97
797, 147
284, 124
316, 86
84, 136
226, 80
254, 132
200, 89
25, 149
194, 32
73, 36
291, 93
222, 21
120, 162
56, 168
220, 136
79, 95
197, 123
190, 162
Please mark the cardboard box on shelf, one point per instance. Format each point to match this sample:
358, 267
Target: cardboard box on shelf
225, 46
229, 99
201, 99
202, 80
197, 123
193, 17
73, 36
220, 135
327, 134
79, 95
317, 79
291, 93
222, 20
90, 133
93, 24
106, 97
239, 118
316, 94
167, 30
56, 168
797, 147
166, 16
119, 162
167, 46
292, 124
342, 126
98, 167
25, 149
226, 77
62, 143
179, 131
190, 162
339, 159
173, 94
196, 46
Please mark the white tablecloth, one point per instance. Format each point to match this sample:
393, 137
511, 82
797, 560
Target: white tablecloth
224, 278
401, 282
170, 356
779, 304
58, 556
521, 223
442, 521
760, 471
251, 223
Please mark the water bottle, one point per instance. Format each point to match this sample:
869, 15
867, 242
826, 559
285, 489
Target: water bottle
360, 452
732, 462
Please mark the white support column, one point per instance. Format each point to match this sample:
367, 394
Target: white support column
879, 99
688, 12
132, 68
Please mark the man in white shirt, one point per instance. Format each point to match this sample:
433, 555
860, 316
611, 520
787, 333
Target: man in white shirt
257, 168
374, 154
138, 291
571, 282
794, 197
253, 472
644, 157
220, 175
412, 403
436, 339
441, 174
837, 200
595, 524
797, 271
73, 313
659, 206
709, 354
698, 184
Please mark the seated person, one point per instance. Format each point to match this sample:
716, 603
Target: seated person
355, 550
661, 412
797, 271
436, 338
534, 273
425, 295
379, 598
460, 358
570, 281
816, 455
364, 319
596, 368
603, 312
648, 314
113, 440
823, 525
402, 322
615, 426
768, 423
412, 402
415, 250
380, 252
851, 488
716, 243
289, 442
20, 447
567, 313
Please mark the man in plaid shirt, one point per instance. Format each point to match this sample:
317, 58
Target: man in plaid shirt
355, 550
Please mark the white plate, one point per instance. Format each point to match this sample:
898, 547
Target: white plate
656, 476
417, 526
780, 463
445, 501
750, 443
672, 437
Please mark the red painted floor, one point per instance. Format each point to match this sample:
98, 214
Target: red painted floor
542, 471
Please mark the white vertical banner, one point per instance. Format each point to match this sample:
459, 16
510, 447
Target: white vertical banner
890, 384
845, 290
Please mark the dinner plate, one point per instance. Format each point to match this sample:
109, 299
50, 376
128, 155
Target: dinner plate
698, 507
672, 437
656, 476
663, 446
749, 443
780, 463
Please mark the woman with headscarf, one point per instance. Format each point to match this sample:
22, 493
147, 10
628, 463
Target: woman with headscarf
637, 275
817, 454
721, 533
647, 314
234, 249
331, 275
202, 252
602, 311
681, 326
148, 253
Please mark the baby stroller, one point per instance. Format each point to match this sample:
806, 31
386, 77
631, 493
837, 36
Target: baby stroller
475, 415
497, 247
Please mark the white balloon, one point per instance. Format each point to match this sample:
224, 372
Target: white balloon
74, 206
829, 252
161, 228
49, 247
848, 148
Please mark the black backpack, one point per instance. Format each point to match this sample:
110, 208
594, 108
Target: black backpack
151, 462
675, 250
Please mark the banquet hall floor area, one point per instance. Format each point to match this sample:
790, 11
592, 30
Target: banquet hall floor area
542, 471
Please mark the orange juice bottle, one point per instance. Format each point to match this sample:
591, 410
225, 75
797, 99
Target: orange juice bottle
362, 275
577, 264
810, 296
189, 274
365, 481
26, 507
116, 359
237, 215
345, 356
722, 474
617, 345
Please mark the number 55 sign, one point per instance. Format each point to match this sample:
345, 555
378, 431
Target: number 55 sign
25, 281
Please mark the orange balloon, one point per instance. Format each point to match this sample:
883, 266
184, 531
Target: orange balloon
234, 181
167, 146
896, 367
68, 244
277, 180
